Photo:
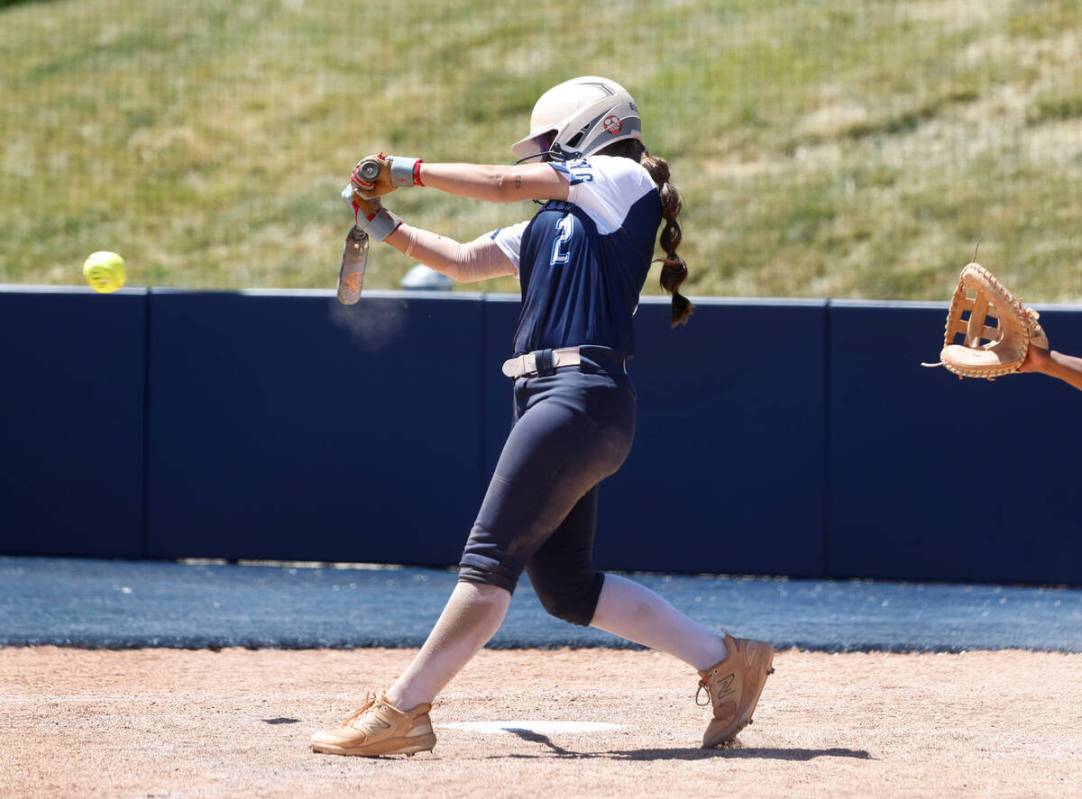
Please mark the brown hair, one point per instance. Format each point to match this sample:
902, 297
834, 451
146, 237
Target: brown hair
674, 270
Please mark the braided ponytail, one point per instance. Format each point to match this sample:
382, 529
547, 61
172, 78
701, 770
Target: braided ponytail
674, 270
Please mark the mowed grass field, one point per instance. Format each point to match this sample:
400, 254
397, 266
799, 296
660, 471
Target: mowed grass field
844, 148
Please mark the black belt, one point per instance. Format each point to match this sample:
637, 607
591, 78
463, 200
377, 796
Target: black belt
541, 362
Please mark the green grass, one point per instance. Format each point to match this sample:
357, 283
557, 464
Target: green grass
846, 148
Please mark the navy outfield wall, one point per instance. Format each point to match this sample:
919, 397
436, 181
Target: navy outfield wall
936, 478
775, 437
72, 388
291, 427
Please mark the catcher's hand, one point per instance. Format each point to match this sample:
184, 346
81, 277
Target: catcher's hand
376, 175
987, 350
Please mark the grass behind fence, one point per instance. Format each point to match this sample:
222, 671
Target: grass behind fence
847, 148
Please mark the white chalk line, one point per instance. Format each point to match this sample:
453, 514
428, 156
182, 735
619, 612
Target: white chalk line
528, 725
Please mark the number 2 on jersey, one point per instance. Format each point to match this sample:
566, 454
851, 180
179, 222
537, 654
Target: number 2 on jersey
561, 247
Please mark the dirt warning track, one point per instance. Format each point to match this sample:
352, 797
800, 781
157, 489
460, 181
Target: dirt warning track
200, 723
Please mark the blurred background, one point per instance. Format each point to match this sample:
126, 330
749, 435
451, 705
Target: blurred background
842, 148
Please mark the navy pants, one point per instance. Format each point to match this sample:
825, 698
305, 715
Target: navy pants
573, 427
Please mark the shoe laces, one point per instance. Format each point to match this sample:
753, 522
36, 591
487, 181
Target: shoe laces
708, 682
369, 702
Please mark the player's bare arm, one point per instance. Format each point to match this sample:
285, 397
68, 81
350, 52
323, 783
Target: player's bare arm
495, 183
377, 175
479, 259
1067, 368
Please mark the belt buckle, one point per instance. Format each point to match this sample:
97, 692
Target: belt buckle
525, 364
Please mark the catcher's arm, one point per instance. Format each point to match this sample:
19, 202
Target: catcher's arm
479, 259
1067, 368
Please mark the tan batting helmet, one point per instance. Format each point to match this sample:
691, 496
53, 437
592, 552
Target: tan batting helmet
577, 118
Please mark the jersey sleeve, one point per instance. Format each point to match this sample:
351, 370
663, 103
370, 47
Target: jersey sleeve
605, 187
509, 240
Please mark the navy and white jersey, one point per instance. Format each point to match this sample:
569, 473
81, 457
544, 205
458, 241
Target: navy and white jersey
582, 263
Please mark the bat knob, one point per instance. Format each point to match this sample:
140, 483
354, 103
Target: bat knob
370, 170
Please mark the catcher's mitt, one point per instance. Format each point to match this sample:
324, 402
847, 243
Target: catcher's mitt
987, 351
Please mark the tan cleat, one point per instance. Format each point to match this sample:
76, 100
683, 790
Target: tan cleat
379, 728
733, 686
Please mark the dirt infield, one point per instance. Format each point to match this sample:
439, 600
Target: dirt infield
155, 723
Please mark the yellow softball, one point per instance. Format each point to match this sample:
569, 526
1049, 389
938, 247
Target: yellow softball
104, 271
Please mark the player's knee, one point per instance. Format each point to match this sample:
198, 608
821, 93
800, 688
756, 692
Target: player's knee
572, 601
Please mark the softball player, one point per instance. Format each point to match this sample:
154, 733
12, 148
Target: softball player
582, 261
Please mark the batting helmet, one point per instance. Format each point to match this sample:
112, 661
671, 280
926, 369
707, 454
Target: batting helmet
577, 118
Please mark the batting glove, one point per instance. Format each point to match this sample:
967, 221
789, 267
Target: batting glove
371, 217
376, 175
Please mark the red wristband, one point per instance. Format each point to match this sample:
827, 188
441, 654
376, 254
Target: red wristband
417, 172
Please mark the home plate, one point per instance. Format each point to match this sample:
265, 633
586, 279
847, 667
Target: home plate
539, 727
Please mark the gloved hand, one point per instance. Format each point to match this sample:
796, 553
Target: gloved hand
376, 175
370, 215
988, 351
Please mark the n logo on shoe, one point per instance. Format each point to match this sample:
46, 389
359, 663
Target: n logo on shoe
374, 724
724, 686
